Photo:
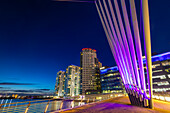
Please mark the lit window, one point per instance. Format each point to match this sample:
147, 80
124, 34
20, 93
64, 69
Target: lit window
160, 76
169, 76
165, 63
161, 83
156, 71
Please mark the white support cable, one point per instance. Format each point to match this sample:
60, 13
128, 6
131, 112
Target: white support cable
120, 40
115, 42
130, 40
124, 39
119, 37
111, 45
137, 43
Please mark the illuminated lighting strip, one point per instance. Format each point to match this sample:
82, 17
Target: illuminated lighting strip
138, 43
120, 56
168, 53
119, 37
123, 36
130, 40
111, 46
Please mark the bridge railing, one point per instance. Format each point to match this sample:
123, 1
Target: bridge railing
48, 105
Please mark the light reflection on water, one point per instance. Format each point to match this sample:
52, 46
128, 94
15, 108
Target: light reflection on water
36, 108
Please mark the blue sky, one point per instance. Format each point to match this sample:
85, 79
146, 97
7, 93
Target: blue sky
40, 37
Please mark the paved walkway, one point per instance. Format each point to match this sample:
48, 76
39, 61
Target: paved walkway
120, 105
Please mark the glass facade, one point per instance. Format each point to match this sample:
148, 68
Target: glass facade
111, 81
161, 72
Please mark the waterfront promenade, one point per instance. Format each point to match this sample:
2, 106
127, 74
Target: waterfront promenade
119, 105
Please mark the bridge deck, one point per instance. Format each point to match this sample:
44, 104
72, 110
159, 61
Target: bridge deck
120, 105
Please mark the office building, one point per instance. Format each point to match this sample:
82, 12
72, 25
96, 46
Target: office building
72, 80
161, 72
89, 72
60, 84
111, 79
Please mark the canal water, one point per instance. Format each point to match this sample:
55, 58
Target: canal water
39, 107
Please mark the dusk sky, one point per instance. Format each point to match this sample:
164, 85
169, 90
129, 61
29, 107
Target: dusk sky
40, 37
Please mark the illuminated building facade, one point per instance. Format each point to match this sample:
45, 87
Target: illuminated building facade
161, 72
111, 81
60, 83
72, 80
89, 72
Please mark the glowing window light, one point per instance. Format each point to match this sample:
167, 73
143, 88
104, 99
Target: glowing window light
161, 83
165, 63
167, 99
160, 76
161, 98
169, 76
156, 71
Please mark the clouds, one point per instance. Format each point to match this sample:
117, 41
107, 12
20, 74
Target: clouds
14, 83
10, 90
29, 91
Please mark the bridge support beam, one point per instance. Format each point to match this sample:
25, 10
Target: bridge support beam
147, 48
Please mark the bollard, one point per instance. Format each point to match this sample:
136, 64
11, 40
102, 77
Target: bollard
72, 104
46, 107
145, 102
88, 100
81, 101
61, 105
94, 99
27, 107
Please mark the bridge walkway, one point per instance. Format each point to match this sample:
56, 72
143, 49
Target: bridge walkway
119, 105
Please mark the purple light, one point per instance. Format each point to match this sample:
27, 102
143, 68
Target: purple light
131, 44
115, 43
137, 42
124, 39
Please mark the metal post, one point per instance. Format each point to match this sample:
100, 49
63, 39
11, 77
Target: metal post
61, 105
94, 99
46, 107
81, 101
88, 100
27, 108
72, 104
147, 47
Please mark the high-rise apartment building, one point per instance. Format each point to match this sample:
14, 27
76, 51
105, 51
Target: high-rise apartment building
89, 71
72, 80
60, 84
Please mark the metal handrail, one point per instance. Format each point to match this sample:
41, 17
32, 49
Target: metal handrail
36, 102
24, 105
26, 101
